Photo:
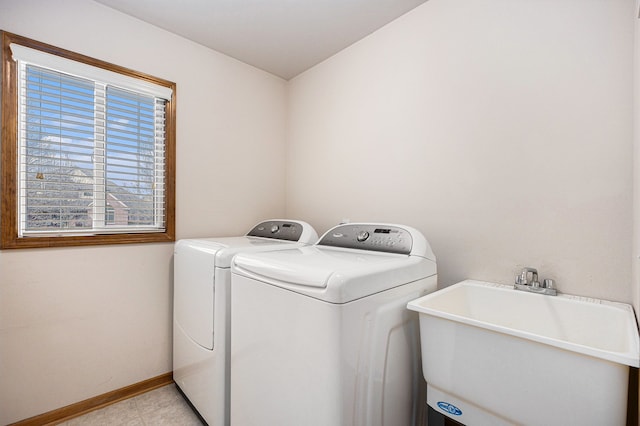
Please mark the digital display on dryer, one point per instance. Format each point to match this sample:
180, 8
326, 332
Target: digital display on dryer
382, 231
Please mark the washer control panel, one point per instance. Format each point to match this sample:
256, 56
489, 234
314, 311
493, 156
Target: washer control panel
277, 229
374, 237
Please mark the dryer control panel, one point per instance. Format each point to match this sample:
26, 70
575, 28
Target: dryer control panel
277, 229
368, 236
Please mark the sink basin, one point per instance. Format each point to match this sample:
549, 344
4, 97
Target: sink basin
492, 355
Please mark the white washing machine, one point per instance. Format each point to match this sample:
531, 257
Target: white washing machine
320, 335
201, 309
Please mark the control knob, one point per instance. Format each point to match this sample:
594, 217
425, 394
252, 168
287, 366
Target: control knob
362, 236
274, 229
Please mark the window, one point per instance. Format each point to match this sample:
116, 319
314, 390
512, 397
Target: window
87, 150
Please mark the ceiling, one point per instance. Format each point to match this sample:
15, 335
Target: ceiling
283, 37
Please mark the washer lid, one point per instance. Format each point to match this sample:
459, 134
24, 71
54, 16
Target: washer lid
334, 275
223, 249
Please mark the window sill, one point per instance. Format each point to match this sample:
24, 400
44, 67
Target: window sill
87, 240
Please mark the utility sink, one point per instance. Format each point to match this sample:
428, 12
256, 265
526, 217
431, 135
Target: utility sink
492, 355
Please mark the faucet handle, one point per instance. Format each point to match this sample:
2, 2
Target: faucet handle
548, 283
524, 276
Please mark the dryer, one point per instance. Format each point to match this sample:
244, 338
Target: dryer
201, 309
320, 335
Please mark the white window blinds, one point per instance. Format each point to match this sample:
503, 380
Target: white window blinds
91, 153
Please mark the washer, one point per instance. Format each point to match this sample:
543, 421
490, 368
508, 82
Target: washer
320, 335
201, 309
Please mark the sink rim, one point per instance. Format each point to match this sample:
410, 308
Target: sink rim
630, 357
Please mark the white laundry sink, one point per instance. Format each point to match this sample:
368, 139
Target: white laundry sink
492, 355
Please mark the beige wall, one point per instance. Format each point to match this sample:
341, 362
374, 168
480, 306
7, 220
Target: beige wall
635, 254
501, 129
635, 287
79, 322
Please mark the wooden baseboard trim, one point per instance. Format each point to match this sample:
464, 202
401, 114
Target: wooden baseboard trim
79, 408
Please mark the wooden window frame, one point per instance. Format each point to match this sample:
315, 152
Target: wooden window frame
9, 238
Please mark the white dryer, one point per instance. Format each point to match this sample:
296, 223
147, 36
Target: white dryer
201, 309
320, 335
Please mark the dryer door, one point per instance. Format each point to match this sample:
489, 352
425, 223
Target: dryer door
194, 268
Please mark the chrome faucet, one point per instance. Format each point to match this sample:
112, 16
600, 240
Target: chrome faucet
522, 283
